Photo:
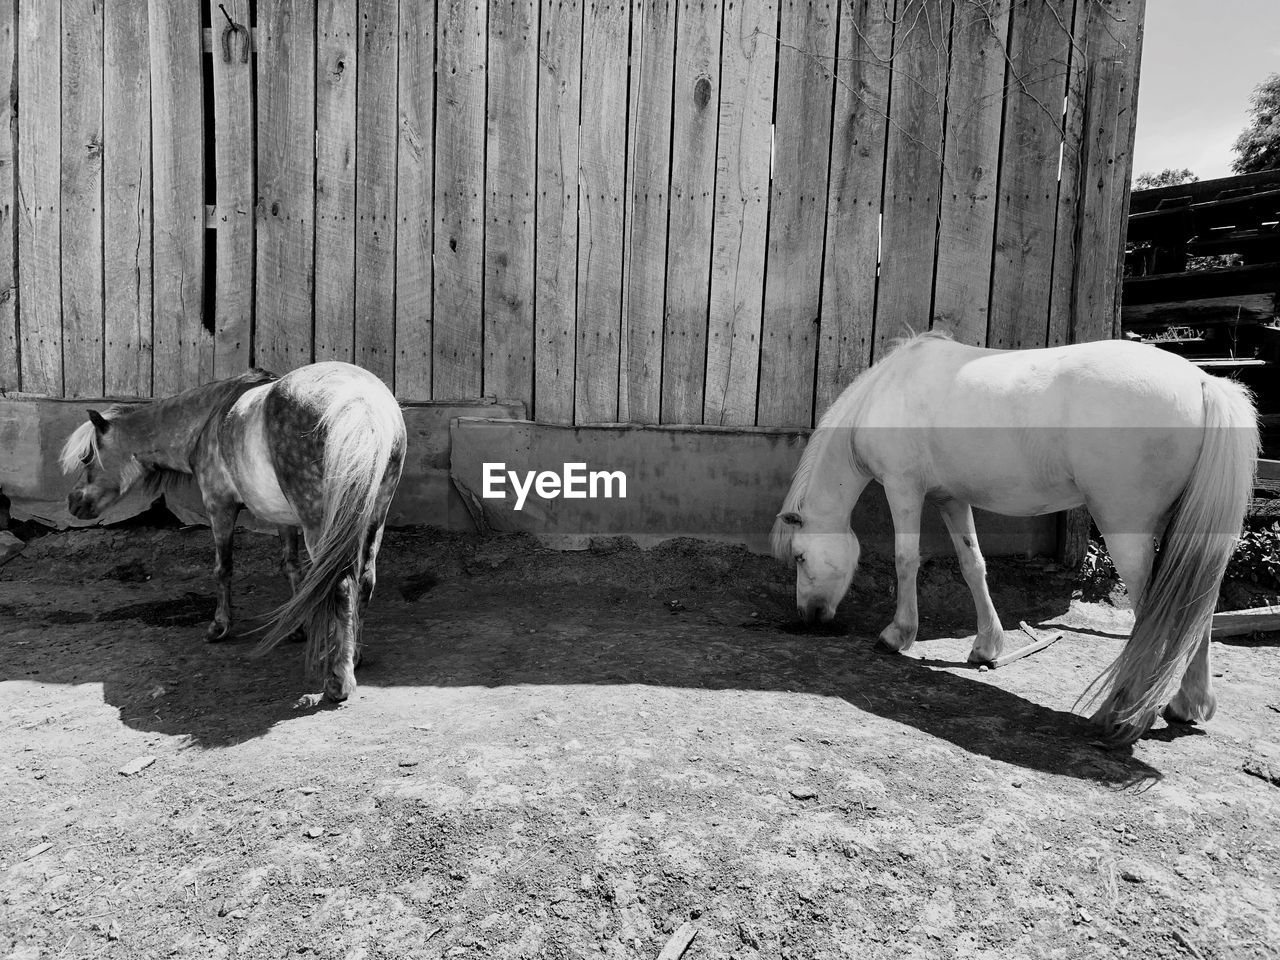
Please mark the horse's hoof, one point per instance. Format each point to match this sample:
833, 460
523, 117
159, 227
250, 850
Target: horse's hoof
308, 701
1181, 710
337, 692
986, 649
217, 631
892, 638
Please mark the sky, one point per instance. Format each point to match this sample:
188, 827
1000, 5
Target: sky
1200, 61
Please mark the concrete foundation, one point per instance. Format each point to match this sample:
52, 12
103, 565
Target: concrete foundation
707, 482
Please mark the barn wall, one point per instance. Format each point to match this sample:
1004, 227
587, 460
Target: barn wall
655, 211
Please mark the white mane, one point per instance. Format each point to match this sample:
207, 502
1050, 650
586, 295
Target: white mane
841, 414
82, 444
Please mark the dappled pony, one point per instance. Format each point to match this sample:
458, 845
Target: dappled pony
317, 451
1160, 452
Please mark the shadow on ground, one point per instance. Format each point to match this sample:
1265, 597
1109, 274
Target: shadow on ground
506, 612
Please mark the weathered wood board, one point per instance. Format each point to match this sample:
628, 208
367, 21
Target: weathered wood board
337, 66
415, 167
285, 213
601, 205
556, 253
648, 180
233, 168
457, 361
510, 174
182, 338
797, 214
377, 90
743, 163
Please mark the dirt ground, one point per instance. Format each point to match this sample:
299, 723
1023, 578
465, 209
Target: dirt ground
572, 755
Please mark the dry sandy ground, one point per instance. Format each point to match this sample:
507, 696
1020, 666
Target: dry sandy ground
572, 755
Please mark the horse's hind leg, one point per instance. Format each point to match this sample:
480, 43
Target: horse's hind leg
368, 580
289, 536
222, 521
1133, 555
990, 638
1194, 702
340, 679
904, 505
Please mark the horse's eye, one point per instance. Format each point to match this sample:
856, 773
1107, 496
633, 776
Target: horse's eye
799, 558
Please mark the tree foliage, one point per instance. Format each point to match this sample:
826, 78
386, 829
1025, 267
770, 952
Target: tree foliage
1168, 177
1258, 146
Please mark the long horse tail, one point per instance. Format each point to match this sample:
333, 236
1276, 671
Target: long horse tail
1175, 612
360, 438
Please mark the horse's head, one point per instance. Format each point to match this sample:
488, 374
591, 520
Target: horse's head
825, 556
106, 470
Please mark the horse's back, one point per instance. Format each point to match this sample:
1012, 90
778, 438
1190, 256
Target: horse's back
1032, 431
1107, 383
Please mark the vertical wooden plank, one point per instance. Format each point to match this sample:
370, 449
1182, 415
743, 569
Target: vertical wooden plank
860, 120
414, 191
233, 162
653, 30
797, 214
284, 216
1113, 43
601, 191
183, 344
741, 211
510, 176
376, 91
909, 230
1069, 183
693, 184
457, 328
1022, 274
9, 372
126, 215
39, 163
971, 159
82, 198
556, 254
336, 67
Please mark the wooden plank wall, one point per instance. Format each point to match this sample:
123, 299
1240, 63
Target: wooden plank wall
680, 212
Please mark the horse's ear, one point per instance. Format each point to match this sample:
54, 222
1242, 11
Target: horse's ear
100, 423
790, 517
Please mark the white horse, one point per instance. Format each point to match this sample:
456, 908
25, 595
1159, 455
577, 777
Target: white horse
1159, 452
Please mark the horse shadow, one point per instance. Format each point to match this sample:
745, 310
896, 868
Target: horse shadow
492, 628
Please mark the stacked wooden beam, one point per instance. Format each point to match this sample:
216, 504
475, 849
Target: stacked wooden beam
1231, 215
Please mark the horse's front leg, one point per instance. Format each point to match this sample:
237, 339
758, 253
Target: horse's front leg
904, 505
990, 639
1194, 702
340, 661
222, 520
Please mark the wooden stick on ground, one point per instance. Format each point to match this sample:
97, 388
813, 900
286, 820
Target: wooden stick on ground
1236, 623
1035, 647
679, 942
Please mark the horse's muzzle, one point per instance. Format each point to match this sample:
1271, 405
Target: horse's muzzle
815, 611
80, 506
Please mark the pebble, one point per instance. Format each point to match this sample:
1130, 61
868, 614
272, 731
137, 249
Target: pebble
314, 832
136, 765
804, 793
